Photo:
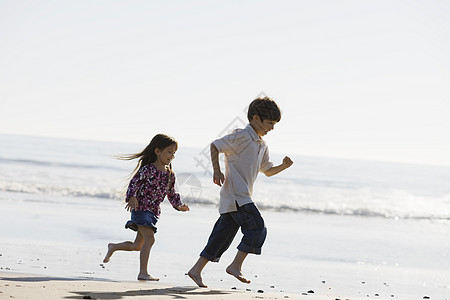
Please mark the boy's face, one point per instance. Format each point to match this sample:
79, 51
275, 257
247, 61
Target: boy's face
262, 127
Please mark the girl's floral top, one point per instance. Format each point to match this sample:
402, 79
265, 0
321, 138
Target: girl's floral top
149, 186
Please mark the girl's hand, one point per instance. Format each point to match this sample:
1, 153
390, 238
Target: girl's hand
183, 207
131, 204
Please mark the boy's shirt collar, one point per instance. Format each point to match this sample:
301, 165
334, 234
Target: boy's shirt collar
253, 133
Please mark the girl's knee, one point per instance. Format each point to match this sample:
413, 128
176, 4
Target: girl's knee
149, 237
137, 246
150, 240
147, 234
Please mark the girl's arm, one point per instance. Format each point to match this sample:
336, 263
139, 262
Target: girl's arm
174, 198
139, 179
142, 176
287, 162
183, 207
131, 204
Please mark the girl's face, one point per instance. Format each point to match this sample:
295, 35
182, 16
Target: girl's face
166, 155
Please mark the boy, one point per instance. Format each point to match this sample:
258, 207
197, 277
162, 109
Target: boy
246, 154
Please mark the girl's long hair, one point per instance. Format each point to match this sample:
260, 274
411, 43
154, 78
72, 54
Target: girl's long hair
148, 155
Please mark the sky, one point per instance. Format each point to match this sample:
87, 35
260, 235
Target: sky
354, 79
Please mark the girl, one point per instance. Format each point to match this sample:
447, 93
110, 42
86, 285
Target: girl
152, 180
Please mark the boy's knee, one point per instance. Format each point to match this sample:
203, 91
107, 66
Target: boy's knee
253, 240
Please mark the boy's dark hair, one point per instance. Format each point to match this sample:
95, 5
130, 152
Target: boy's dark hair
265, 108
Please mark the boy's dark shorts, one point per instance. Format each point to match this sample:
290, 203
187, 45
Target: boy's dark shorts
249, 219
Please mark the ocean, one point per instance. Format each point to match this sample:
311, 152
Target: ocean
49, 169
348, 228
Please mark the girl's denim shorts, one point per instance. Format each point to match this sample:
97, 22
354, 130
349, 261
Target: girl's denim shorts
144, 218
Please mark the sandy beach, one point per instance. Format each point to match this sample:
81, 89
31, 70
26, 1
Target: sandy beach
25, 286
304, 257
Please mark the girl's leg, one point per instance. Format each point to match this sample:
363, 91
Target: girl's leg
149, 239
125, 246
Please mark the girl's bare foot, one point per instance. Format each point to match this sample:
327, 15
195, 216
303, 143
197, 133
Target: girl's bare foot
109, 253
197, 278
238, 274
147, 277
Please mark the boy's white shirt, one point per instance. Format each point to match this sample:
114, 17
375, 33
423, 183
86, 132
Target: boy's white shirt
246, 154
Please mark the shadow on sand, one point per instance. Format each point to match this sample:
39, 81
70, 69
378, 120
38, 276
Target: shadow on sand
174, 292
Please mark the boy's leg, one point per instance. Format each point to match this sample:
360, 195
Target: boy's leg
219, 241
220, 238
254, 231
236, 266
253, 228
196, 271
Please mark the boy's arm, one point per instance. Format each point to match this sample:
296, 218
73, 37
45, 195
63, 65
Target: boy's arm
287, 162
218, 176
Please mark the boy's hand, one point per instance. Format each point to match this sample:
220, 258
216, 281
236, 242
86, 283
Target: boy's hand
287, 162
183, 207
131, 204
218, 178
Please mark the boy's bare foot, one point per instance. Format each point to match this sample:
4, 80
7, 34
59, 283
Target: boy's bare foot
197, 278
147, 277
109, 253
237, 274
